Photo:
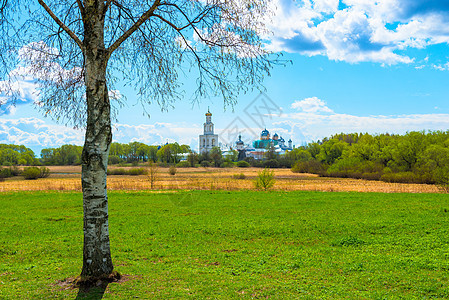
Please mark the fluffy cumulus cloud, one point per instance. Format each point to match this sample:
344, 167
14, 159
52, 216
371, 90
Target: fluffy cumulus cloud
38, 134
358, 30
311, 119
157, 133
311, 105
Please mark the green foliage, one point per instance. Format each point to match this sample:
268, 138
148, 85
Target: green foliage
219, 244
232, 155
9, 172
271, 163
227, 164
416, 157
193, 159
205, 164
216, 156
115, 160
310, 166
45, 172
239, 176
31, 173
11, 155
242, 164
137, 171
132, 171
172, 170
183, 164
170, 153
64, 155
265, 179
35, 172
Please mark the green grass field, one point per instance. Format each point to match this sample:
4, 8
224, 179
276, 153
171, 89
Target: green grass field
232, 245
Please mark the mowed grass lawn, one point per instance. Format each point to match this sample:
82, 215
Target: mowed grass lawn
233, 245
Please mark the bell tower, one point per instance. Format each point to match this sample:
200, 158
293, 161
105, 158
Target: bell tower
208, 139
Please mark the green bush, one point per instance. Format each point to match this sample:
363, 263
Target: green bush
242, 164
6, 173
118, 171
265, 180
205, 164
132, 172
31, 173
271, 163
311, 166
401, 177
45, 172
183, 164
137, 171
15, 171
114, 159
172, 170
239, 176
227, 164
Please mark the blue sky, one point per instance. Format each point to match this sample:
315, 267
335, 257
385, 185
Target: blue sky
357, 66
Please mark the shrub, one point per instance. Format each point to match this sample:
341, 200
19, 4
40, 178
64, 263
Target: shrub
271, 163
243, 164
114, 159
132, 172
172, 170
372, 176
152, 173
31, 173
15, 171
239, 176
205, 164
6, 172
311, 166
137, 171
265, 180
45, 172
227, 164
183, 164
119, 171
400, 177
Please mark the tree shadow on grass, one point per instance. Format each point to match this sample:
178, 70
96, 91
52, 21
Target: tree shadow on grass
92, 292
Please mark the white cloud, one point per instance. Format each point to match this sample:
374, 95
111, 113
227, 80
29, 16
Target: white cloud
361, 30
157, 134
311, 105
313, 120
35, 133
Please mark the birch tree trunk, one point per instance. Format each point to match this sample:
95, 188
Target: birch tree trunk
97, 260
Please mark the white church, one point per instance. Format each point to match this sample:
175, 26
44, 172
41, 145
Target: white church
208, 139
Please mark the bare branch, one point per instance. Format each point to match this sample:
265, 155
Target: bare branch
81, 7
62, 25
106, 5
134, 27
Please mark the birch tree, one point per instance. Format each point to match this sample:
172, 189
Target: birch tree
75, 51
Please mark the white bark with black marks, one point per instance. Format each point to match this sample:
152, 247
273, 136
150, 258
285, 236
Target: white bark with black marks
97, 260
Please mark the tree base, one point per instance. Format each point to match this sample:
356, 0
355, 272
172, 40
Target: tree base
91, 281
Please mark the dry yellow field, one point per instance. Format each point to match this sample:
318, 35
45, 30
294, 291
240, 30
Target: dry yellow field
67, 178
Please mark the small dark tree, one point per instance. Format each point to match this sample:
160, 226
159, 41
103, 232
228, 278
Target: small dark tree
76, 49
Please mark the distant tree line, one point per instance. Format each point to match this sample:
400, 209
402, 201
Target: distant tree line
133, 152
416, 157
13, 155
